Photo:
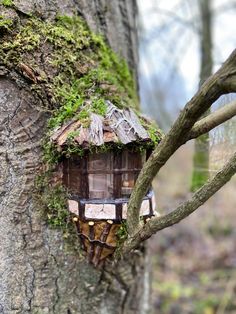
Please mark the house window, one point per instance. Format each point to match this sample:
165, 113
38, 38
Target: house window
100, 175
131, 165
107, 175
72, 175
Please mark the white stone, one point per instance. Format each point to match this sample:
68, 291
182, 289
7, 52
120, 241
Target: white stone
73, 207
100, 211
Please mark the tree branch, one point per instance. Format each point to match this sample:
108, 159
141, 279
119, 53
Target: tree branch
222, 82
200, 197
213, 120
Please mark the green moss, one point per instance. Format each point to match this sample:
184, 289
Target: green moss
154, 132
53, 203
5, 23
7, 3
72, 135
72, 149
51, 156
57, 214
122, 233
80, 71
72, 102
83, 115
99, 106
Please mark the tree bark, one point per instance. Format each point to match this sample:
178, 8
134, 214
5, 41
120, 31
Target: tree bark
39, 273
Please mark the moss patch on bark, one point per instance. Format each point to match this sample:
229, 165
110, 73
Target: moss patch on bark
74, 63
72, 69
7, 3
73, 72
5, 23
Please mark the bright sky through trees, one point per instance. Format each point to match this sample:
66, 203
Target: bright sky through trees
170, 29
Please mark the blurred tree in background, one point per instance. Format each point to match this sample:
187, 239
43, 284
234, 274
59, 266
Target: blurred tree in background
171, 51
193, 263
201, 149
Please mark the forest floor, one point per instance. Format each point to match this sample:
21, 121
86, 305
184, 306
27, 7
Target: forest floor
194, 262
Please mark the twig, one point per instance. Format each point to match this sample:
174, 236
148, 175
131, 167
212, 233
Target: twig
222, 82
213, 120
185, 209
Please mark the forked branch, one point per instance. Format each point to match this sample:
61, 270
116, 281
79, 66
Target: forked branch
182, 211
213, 120
222, 82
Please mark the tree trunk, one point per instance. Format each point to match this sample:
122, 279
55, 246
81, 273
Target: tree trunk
39, 273
201, 144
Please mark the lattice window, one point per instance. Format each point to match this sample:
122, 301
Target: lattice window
72, 174
131, 165
107, 175
100, 175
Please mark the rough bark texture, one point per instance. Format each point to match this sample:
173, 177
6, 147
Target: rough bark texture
39, 274
115, 19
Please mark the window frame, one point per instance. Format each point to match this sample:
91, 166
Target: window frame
117, 170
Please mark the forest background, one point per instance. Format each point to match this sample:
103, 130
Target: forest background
193, 262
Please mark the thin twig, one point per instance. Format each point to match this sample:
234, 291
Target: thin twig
213, 120
222, 82
185, 209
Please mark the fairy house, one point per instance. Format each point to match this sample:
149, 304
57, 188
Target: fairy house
108, 152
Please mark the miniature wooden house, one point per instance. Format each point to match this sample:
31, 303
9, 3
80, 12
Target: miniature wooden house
100, 182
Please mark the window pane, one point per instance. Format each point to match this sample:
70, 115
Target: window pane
97, 164
132, 163
100, 162
71, 175
101, 183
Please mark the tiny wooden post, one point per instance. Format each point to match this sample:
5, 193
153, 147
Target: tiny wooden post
91, 237
76, 221
103, 238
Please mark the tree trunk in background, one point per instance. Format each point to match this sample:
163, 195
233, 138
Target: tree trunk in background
201, 147
38, 274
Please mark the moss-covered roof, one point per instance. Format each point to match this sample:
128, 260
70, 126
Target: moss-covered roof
115, 125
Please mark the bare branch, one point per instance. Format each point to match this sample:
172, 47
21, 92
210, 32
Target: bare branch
200, 197
213, 120
222, 82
